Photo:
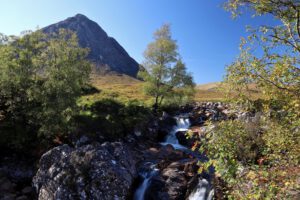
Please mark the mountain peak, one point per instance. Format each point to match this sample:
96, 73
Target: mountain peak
80, 16
105, 52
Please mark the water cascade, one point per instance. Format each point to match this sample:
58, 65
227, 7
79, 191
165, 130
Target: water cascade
146, 174
202, 191
182, 124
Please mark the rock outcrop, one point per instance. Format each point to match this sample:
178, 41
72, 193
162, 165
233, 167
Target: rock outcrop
115, 170
92, 171
105, 52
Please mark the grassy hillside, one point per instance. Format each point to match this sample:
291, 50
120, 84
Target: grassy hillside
209, 86
209, 92
124, 88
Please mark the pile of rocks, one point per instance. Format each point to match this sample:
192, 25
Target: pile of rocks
10, 190
15, 179
177, 173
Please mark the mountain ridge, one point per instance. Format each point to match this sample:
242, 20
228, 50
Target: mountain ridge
106, 53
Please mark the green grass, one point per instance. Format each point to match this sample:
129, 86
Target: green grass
123, 88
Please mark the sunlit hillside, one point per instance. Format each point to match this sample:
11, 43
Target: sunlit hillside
119, 87
209, 86
125, 88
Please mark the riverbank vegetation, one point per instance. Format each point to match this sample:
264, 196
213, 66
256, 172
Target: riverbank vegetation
41, 78
259, 158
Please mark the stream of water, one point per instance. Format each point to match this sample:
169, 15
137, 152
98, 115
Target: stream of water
147, 173
182, 124
201, 192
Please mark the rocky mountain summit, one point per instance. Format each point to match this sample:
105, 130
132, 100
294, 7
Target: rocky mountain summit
105, 52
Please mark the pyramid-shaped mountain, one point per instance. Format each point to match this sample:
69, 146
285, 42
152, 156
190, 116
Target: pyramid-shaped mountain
105, 52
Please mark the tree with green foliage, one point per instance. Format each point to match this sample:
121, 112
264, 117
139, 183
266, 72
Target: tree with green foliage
165, 74
41, 77
277, 71
266, 152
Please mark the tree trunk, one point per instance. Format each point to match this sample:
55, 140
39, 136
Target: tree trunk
161, 99
155, 106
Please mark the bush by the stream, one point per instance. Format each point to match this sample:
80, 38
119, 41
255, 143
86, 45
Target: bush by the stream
257, 159
112, 119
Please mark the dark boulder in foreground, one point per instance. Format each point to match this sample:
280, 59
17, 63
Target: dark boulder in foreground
96, 171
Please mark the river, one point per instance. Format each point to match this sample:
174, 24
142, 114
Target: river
203, 190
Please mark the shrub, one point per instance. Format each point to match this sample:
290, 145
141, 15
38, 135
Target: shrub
113, 119
41, 77
254, 158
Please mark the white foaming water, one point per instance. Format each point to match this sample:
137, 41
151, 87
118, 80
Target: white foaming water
182, 124
147, 175
202, 191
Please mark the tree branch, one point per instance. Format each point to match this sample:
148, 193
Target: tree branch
277, 86
287, 42
298, 23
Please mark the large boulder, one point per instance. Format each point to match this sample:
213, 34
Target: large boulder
95, 171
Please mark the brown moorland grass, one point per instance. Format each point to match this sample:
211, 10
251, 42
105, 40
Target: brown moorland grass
124, 88
118, 87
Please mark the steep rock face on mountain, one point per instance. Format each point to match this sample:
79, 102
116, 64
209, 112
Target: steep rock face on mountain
105, 52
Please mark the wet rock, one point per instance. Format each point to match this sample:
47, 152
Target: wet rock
176, 182
82, 141
187, 141
27, 190
172, 181
23, 197
162, 153
94, 171
6, 186
17, 169
208, 111
157, 189
182, 139
164, 127
10, 189
168, 152
8, 197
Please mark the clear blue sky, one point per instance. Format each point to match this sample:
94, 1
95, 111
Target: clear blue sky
208, 38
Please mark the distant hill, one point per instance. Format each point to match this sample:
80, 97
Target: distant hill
214, 92
105, 52
209, 86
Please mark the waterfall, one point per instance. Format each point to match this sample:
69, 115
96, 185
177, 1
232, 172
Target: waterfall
146, 174
182, 124
202, 191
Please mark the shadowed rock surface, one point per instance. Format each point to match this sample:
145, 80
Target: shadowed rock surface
95, 171
105, 52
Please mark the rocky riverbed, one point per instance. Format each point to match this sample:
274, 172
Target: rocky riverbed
155, 164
